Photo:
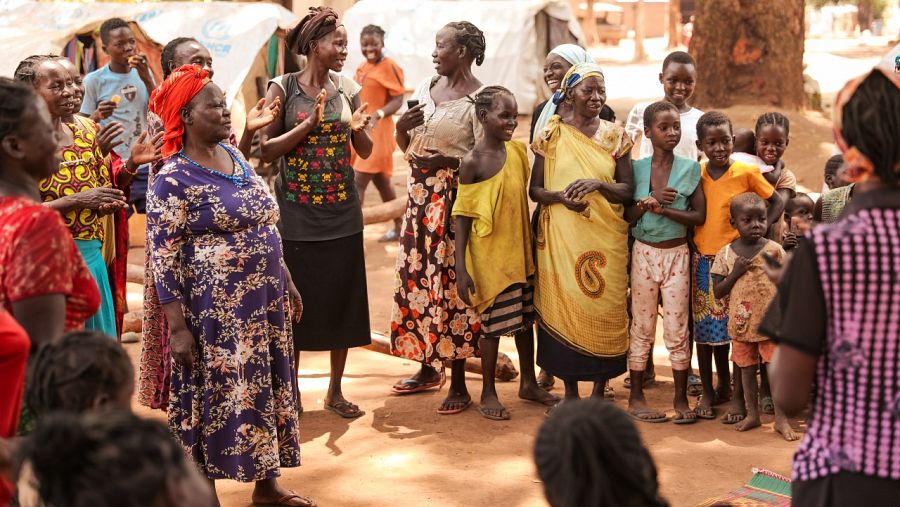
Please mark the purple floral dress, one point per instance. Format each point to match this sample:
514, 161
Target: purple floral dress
215, 247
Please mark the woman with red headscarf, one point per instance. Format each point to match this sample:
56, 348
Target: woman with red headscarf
219, 274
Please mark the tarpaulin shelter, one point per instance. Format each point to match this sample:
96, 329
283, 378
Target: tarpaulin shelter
243, 38
519, 34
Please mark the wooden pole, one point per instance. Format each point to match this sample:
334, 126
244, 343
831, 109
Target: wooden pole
674, 15
639, 54
505, 371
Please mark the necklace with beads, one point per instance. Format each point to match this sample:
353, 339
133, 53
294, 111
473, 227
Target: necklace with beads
239, 180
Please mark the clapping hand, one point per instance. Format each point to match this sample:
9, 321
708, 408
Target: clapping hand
144, 151
260, 116
109, 137
360, 118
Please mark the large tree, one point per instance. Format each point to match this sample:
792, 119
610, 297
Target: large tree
749, 52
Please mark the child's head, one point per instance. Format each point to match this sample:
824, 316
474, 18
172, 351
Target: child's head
801, 206
744, 141
588, 452
772, 130
371, 40
678, 77
835, 176
117, 40
662, 125
496, 109
111, 459
715, 138
748, 216
79, 372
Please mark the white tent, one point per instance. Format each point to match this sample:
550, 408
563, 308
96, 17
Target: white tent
519, 33
234, 32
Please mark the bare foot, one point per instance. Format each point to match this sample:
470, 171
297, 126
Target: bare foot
783, 426
749, 422
538, 395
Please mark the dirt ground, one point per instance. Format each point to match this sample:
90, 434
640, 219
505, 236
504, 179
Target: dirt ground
401, 453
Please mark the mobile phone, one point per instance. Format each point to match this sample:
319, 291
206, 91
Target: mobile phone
771, 261
411, 103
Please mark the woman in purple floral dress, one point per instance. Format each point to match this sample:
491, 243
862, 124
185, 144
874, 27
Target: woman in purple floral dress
223, 286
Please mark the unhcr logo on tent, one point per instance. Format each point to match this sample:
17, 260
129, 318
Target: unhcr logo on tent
216, 36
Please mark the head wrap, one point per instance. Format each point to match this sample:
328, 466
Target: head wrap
572, 53
858, 164
576, 74
169, 99
320, 22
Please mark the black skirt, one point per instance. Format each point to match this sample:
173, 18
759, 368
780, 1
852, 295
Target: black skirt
331, 278
567, 364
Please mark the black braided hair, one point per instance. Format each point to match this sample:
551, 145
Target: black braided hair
484, 100
588, 452
773, 118
655, 108
27, 70
678, 57
109, 25
16, 98
469, 36
167, 57
71, 373
102, 459
712, 119
743, 201
375, 30
868, 124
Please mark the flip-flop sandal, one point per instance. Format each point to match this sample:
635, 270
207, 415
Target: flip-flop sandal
768, 406
695, 386
485, 413
683, 417
705, 413
730, 418
452, 411
660, 419
345, 409
285, 501
415, 386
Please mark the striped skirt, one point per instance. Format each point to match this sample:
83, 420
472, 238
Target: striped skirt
512, 311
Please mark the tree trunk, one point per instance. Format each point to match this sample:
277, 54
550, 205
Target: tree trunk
639, 54
864, 15
749, 52
674, 24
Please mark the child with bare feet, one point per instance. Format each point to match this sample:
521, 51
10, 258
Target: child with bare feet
738, 272
668, 199
722, 179
494, 262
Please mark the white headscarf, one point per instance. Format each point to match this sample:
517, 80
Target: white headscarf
575, 55
576, 74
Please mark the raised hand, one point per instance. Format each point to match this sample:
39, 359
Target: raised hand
109, 137
260, 115
104, 110
360, 118
145, 151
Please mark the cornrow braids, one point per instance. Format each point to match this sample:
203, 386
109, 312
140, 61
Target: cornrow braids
102, 459
712, 119
167, 57
655, 108
372, 30
484, 100
69, 374
869, 126
109, 25
27, 70
16, 97
588, 452
469, 36
773, 118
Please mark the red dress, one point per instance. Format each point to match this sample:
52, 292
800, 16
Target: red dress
14, 346
38, 257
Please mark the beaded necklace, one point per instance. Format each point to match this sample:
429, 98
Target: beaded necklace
239, 180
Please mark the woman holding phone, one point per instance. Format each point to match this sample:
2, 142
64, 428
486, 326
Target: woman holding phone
429, 323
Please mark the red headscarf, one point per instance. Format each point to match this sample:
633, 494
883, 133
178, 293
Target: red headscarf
171, 96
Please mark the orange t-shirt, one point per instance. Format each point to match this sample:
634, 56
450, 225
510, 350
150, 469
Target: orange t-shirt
380, 82
717, 232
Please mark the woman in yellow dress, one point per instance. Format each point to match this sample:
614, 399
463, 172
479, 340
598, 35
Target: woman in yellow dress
582, 179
